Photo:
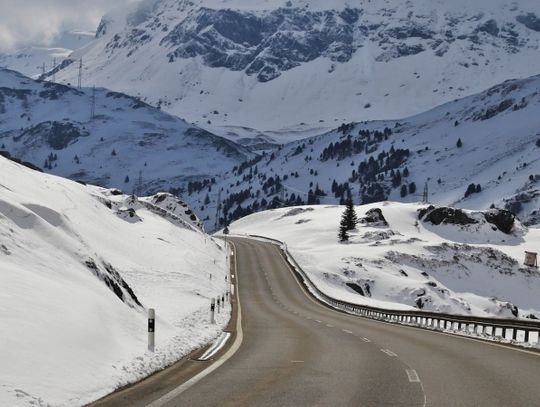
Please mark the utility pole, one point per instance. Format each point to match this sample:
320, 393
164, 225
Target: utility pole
54, 70
140, 184
43, 70
218, 207
282, 196
93, 104
425, 197
79, 80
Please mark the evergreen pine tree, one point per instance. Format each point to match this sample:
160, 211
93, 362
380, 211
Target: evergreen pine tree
351, 219
403, 191
459, 143
343, 235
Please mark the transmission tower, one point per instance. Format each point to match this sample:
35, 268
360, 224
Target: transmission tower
282, 196
425, 196
140, 184
79, 80
93, 104
218, 208
54, 70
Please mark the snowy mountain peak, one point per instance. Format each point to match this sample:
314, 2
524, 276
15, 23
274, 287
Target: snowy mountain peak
303, 65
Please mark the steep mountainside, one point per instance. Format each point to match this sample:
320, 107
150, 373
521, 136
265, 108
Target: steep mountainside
126, 144
302, 64
477, 152
81, 265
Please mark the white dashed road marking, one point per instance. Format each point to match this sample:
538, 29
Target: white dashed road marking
389, 352
413, 376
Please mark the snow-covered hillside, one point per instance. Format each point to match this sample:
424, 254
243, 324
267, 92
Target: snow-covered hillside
126, 144
407, 256
31, 60
80, 265
304, 64
473, 153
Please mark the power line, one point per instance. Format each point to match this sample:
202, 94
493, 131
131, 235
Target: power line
79, 79
425, 196
140, 184
218, 208
93, 104
54, 70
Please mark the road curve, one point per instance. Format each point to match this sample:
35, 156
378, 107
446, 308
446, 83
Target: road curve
296, 352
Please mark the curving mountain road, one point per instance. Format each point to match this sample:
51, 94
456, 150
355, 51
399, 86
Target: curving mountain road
296, 352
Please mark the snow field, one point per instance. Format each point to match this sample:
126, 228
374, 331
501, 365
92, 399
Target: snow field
67, 339
409, 264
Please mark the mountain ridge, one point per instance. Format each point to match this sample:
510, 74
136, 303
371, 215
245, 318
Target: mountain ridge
303, 65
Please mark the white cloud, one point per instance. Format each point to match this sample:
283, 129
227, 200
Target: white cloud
38, 22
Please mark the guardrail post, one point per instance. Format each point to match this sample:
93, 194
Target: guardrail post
508, 334
498, 332
151, 329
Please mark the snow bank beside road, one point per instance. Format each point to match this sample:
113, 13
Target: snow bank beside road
74, 267
410, 263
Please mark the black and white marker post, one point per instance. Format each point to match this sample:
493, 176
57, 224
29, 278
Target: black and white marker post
212, 311
218, 305
151, 329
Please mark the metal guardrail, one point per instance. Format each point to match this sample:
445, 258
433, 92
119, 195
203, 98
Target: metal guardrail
515, 331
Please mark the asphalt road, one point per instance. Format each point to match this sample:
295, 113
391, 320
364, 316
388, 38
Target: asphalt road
296, 352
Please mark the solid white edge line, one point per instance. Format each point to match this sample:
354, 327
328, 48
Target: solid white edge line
236, 345
218, 344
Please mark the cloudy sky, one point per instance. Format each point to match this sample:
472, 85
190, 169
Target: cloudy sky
24, 22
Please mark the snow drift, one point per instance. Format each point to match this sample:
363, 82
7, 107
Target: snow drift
79, 267
468, 263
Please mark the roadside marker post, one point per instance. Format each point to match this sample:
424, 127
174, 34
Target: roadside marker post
212, 311
151, 329
218, 305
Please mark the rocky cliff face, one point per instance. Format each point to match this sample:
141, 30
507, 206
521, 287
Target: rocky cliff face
308, 64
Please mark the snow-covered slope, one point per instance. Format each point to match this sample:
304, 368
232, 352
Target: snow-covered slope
499, 134
303, 64
31, 60
51, 125
438, 260
79, 267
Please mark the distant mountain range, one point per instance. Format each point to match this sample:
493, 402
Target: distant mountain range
33, 60
126, 143
478, 152
301, 65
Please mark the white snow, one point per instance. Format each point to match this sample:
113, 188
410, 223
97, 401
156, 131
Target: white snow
320, 93
67, 339
467, 270
163, 151
30, 60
